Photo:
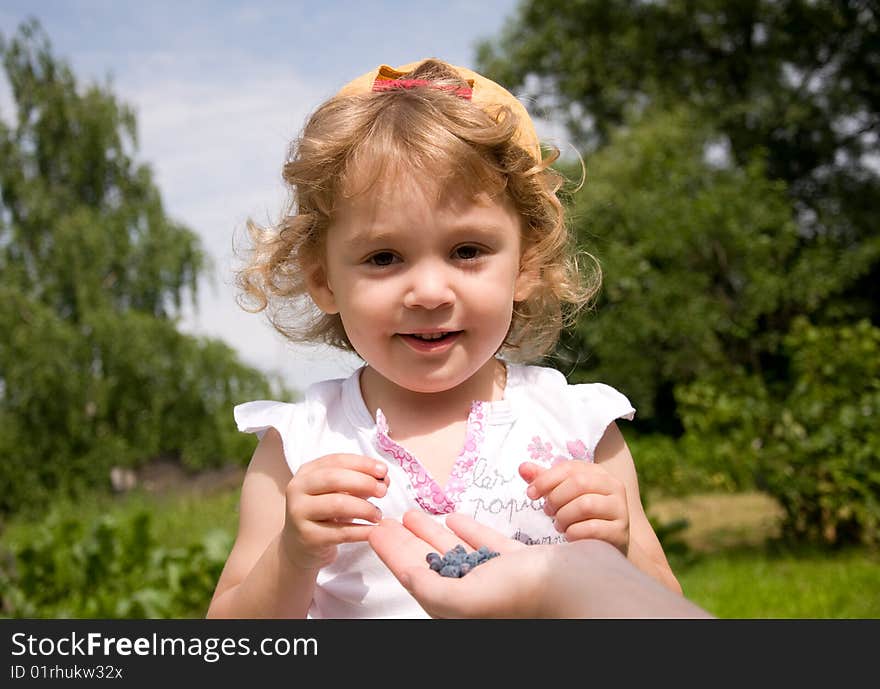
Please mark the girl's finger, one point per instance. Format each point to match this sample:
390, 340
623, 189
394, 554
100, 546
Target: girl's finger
350, 533
598, 529
340, 507
542, 480
580, 483
587, 507
342, 480
588, 476
365, 465
529, 470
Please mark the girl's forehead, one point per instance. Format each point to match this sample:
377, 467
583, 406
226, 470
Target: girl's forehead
404, 196
391, 182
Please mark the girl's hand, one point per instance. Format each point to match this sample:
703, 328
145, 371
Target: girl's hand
584, 499
324, 498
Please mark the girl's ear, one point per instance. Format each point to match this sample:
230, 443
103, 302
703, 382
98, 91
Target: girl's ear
320, 290
529, 276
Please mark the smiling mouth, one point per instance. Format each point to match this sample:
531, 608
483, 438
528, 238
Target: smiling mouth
432, 337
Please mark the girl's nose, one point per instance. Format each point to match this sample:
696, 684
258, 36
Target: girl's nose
429, 287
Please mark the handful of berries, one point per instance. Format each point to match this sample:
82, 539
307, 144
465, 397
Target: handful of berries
458, 562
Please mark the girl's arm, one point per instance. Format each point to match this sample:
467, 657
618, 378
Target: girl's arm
258, 579
645, 551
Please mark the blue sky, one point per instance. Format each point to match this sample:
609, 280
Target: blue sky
220, 88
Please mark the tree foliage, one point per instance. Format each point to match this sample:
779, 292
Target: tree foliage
93, 273
733, 170
813, 444
690, 253
794, 81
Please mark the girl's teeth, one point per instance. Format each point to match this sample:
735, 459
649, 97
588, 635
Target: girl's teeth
434, 336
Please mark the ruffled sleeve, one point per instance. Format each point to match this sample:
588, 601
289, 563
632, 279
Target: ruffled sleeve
259, 416
598, 405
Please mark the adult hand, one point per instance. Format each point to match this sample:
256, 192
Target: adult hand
586, 578
502, 587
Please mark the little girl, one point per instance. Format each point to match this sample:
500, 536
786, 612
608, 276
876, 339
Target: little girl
425, 235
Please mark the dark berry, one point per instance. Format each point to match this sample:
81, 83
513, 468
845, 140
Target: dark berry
457, 561
451, 571
435, 562
473, 559
454, 557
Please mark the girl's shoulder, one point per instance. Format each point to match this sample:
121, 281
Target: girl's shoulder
294, 420
298, 423
544, 396
550, 386
259, 415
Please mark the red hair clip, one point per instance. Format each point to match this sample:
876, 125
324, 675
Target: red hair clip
385, 84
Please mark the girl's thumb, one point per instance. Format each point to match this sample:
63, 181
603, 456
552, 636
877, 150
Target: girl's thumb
529, 471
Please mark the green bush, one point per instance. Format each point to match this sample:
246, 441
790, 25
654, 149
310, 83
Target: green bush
109, 568
813, 445
674, 467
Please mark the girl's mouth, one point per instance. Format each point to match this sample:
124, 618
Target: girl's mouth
431, 342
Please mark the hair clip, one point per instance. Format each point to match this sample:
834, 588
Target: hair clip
385, 84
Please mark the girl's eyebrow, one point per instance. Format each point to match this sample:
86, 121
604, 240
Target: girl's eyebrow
378, 235
373, 236
368, 235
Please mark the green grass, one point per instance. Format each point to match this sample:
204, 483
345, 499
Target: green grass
177, 520
758, 583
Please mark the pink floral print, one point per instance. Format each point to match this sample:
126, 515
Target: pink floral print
428, 493
543, 452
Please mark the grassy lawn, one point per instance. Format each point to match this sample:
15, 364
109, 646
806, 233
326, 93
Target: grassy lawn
177, 520
734, 568
760, 583
728, 561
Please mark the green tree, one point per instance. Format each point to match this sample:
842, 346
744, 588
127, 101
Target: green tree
794, 81
690, 252
741, 296
813, 444
93, 273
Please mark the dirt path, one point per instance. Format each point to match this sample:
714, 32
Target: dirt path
719, 521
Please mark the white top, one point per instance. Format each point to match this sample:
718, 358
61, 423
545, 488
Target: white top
541, 419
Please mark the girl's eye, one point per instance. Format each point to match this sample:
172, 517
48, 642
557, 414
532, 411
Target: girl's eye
466, 253
383, 258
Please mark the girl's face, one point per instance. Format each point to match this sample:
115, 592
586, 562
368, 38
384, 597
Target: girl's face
424, 286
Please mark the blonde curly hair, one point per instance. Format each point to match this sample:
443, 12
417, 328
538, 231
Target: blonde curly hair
428, 131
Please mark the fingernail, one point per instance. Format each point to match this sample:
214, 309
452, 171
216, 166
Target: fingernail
532, 492
381, 488
380, 470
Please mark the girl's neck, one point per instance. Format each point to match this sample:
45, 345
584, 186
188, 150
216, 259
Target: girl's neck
399, 404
